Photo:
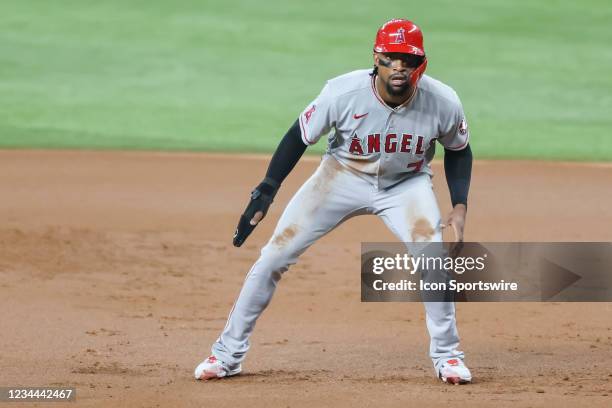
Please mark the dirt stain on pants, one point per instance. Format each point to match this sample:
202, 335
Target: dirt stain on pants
422, 230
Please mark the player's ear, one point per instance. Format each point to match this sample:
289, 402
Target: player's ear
376, 61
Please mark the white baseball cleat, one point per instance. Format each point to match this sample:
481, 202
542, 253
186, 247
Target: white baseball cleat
213, 368
453, 371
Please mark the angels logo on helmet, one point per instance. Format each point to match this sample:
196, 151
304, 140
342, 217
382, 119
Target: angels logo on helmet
399, 36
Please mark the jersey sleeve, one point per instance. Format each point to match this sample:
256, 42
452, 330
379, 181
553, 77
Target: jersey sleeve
454, 133
318, 118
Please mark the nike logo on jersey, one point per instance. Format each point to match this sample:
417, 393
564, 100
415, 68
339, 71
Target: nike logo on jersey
356, 116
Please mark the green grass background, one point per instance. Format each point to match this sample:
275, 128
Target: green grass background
534, 76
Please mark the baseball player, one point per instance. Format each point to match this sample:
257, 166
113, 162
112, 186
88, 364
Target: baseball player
382, 125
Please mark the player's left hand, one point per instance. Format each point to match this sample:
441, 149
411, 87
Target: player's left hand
456, 220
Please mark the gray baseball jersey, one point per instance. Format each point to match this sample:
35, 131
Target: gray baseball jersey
382, 144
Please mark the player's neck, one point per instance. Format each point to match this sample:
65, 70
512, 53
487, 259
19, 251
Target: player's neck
393, 101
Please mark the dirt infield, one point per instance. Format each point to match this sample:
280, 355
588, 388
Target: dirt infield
117, 273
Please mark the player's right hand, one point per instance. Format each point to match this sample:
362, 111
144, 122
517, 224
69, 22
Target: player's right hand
256, 210
456, 220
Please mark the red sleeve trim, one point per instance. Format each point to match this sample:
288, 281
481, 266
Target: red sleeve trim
467, 139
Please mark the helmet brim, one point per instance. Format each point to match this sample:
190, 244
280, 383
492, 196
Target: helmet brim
400, 48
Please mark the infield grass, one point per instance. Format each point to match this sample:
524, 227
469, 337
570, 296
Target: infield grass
534, 76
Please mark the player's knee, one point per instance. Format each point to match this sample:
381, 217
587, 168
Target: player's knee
266, 272
275, 261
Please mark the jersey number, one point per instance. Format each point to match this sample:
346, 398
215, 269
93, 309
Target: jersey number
415, 166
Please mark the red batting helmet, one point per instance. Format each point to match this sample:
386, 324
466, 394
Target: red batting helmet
404, 37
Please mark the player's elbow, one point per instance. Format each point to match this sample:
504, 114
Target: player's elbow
466, 152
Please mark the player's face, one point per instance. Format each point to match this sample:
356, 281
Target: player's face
394, 70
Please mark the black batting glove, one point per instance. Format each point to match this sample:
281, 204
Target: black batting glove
261, 198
